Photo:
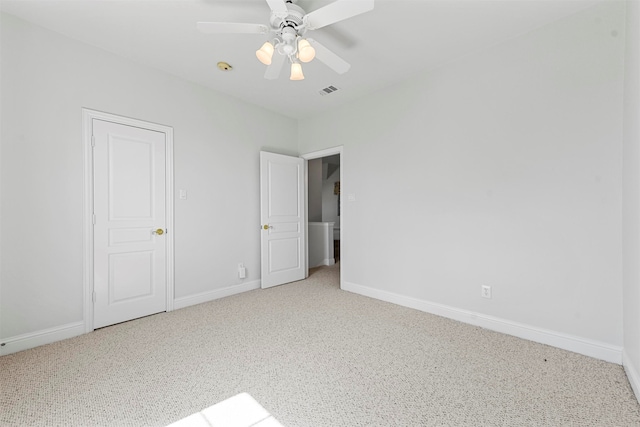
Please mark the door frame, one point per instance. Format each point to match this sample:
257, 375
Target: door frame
318, 155
88, 116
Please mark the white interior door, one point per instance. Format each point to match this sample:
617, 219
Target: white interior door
282, 212
130, 278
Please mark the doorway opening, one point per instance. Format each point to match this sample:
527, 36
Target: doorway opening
325, 216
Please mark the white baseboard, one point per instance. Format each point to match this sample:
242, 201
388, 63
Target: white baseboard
326, 261
587, 347
45, 336
190, 300
70, 330
632, 374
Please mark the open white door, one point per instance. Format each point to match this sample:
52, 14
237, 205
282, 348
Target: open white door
282, 212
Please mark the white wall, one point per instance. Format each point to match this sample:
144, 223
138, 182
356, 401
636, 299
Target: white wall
330, 200
320, 238
46, 80
1, 126
507, 172
314, 189
631, 198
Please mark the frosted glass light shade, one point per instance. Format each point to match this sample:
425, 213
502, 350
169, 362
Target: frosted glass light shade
265, 53
296, 72
306, 52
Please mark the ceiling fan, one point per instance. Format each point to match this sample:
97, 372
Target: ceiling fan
287, 26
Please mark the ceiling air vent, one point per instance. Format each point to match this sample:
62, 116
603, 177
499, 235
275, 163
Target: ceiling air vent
327, 90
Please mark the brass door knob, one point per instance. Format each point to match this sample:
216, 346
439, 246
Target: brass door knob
266, 227
159, 231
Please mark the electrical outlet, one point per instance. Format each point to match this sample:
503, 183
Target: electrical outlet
486, 291
242, 272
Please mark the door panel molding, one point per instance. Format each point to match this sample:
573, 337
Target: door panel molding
88, 116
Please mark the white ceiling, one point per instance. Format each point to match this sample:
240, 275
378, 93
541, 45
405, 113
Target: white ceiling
398, 39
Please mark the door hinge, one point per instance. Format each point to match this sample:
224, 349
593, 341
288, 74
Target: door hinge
93, 297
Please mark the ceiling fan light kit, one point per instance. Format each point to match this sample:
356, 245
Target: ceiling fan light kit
265, 53
288, 24
306, 52
296, 72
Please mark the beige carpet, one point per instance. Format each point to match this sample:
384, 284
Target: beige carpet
312, 355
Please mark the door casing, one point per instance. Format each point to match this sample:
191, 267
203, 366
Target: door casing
88, 215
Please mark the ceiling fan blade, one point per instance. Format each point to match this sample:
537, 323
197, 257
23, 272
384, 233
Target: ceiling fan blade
329, 58
337, 11
273, 70
278, 7
231, 28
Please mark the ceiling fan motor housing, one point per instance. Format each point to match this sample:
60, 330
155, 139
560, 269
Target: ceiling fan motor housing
289, 28
294, 19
